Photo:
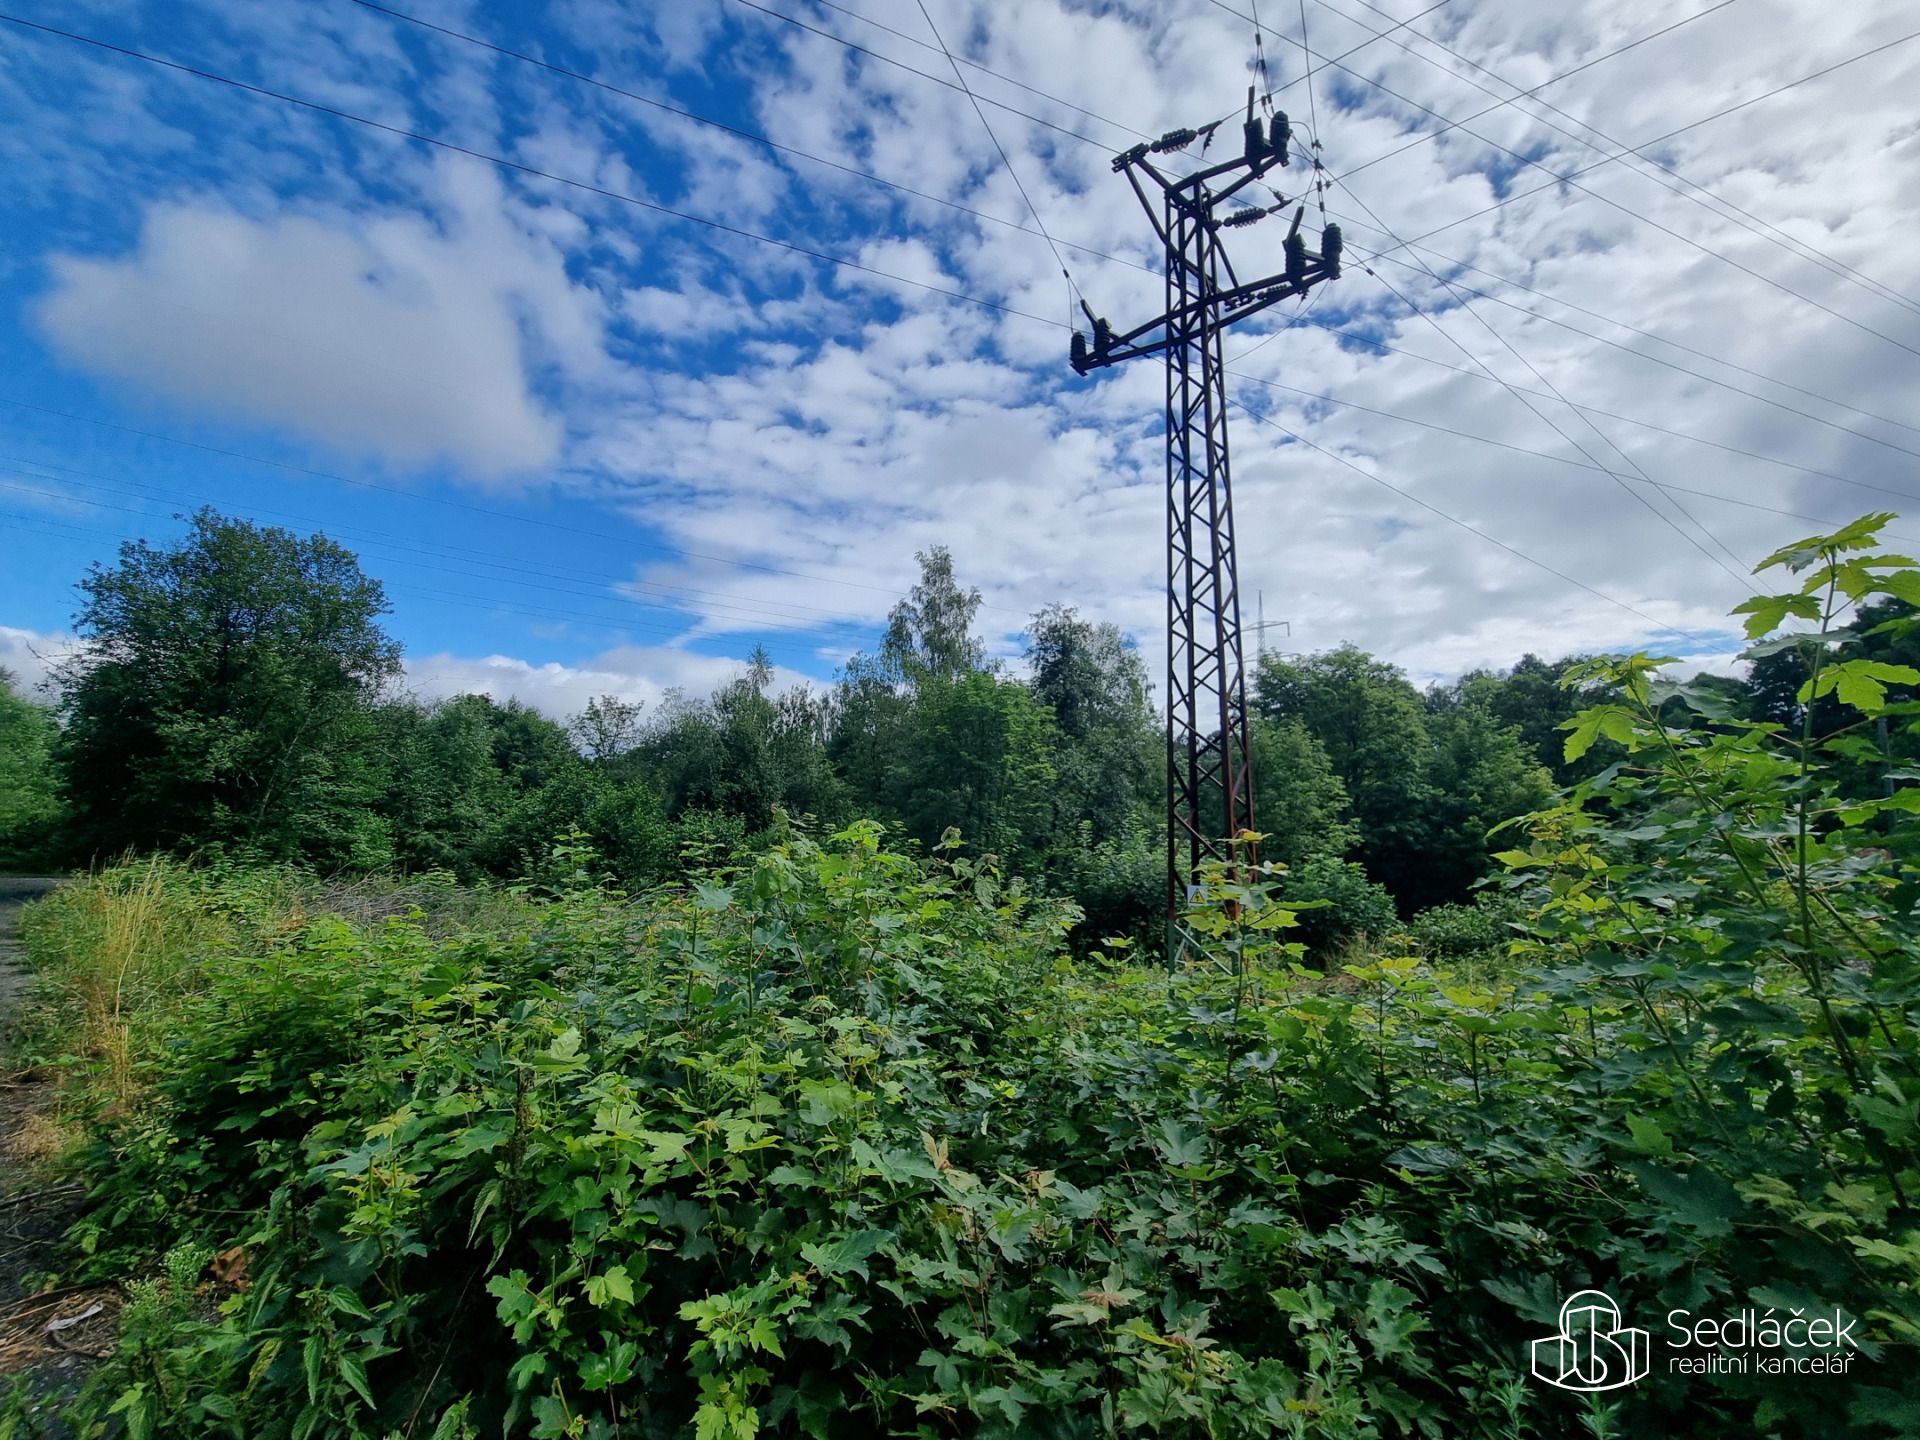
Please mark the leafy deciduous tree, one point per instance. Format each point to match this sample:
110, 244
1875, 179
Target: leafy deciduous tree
223, 695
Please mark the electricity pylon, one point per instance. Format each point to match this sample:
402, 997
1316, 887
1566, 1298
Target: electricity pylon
1209, 752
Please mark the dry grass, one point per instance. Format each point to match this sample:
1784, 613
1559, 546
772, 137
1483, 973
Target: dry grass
120, 948
41, 1139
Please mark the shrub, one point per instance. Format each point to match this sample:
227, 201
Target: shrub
1346, 903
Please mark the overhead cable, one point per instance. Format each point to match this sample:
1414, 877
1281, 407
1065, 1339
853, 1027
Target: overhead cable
532, 171
1470, 529
1786, 240
1570, 178
749, 135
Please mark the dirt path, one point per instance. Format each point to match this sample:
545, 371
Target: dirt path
15, 891
35, 1206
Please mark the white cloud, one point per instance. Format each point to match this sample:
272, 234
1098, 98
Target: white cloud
385, 336
640, 674
831, 433
30, 656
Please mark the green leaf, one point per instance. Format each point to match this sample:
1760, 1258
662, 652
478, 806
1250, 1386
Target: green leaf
1860, 683
847, 1255
1765, 612
354, 1371
1699, 1199
612, 1285
344, 1302
1648, 1137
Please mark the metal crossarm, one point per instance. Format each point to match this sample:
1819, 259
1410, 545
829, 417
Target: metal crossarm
1209, 752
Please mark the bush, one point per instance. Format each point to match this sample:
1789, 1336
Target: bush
840, 1143
1347, 903
1454, 933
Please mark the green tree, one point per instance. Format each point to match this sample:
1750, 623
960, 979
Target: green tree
1479, 773
1372, 724
930, 633
29, 790
1427, 779
1534, 699
1300, 801
607, 729
743, 752
979, 757
1107, 761
876, 710
224, 694
446, 795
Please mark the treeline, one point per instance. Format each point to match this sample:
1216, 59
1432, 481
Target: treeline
235, 693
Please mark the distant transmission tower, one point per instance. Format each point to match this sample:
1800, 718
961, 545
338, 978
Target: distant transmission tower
1209, 755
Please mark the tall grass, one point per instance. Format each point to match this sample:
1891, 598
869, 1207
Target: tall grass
119, 950
119, 955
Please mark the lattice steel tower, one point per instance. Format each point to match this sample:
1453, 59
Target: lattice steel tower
1209, 756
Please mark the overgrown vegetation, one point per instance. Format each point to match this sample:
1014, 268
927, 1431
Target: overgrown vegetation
236, 695
826, 1137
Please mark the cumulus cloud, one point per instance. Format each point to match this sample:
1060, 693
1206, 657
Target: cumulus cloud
388, 336
30, 657
635, 674
1576, 413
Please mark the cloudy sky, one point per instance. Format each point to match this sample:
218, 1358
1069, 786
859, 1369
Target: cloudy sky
619, 337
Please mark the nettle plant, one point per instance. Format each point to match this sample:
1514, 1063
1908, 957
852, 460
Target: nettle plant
1728, 932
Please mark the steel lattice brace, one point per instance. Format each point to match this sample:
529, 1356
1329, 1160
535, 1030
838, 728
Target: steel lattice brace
1209, 753
1208, 771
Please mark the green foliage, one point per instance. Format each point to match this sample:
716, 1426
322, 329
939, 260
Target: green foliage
1427, 784
742, 753
1533, 700
1483, 929
978, 760
1478, 775
29, 794
222, 696
1338, 904
836, 1142
1107, 749
1299, 800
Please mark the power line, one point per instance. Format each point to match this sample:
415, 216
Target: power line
1373, 343
445, 597
624, 624
1609, 415
984, 70
1074, 134
1780, 405
751, 136
530, 170
1571, 177
429, 140
902, 65
1793, 244
1470, 529
1435, 425
476, 41
1511, 390
1065, 274
448, 503
1660, 339
512, 165
1740, 577
734, 130
635, 589
1554, 80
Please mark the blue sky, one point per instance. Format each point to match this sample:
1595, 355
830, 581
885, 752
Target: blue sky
592, 446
